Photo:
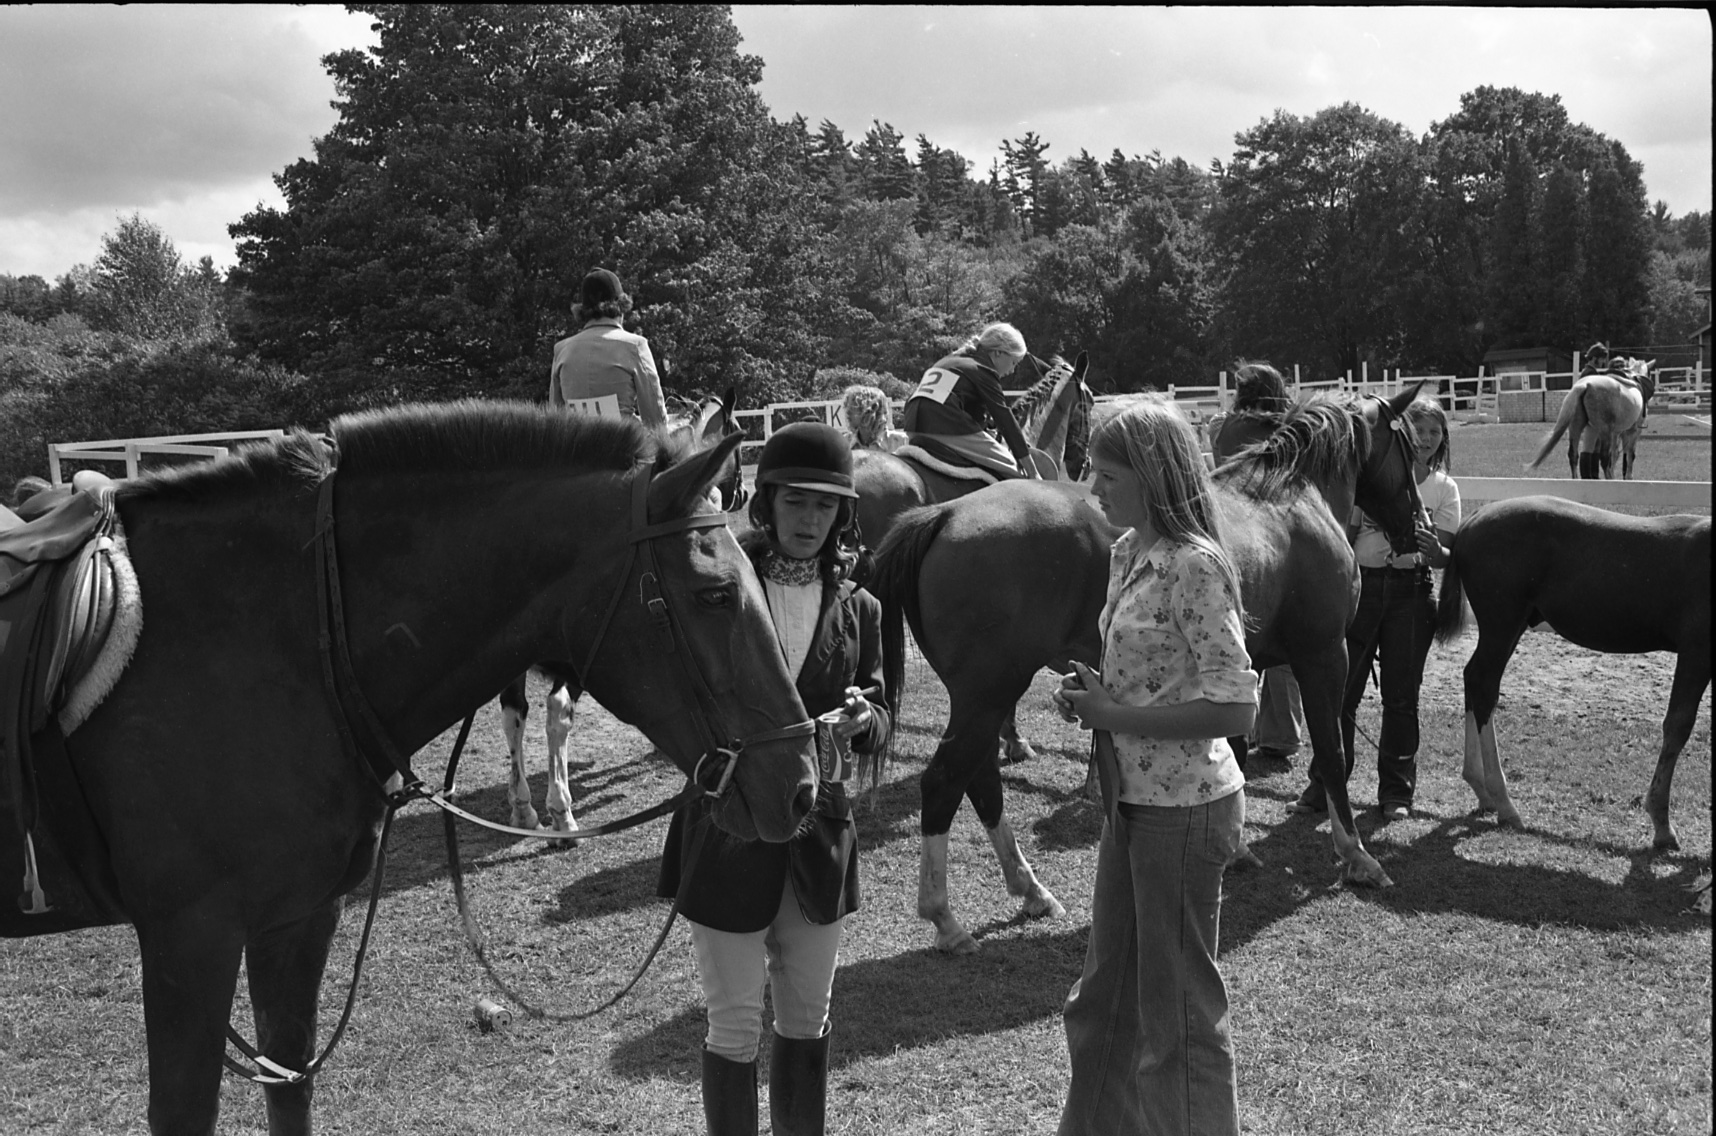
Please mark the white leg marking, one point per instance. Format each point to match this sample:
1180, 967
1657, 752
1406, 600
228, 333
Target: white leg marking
518, 783
1495, 780
932, 898
559, 713
1021, 880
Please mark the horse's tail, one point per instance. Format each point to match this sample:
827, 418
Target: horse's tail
1572, 417
1451, 604
894, 581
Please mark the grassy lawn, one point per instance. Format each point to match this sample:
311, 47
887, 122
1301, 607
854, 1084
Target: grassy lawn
1548, 981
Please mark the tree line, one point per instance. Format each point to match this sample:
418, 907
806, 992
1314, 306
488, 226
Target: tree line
486, 157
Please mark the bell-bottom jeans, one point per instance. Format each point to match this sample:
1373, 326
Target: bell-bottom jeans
1147, 1022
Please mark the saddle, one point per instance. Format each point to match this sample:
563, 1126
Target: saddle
930, 452
58, 599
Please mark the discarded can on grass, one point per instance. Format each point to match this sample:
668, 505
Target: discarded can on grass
491, 1015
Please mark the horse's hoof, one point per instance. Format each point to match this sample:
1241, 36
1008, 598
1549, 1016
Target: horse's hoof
1669, 843
1013, 755
1245, 858
1510, 820
960, 944
1044, 906
588, 763
1368, 874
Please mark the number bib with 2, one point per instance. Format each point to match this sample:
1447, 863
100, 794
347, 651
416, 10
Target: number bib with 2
936, 385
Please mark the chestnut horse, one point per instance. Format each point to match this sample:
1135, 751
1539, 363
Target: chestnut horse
1605, 581
1001, 583
224, 797
1054, 413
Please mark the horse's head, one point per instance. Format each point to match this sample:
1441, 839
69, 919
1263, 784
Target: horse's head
1386, 488
1054, 411
1642, 372
710, 421
703, 668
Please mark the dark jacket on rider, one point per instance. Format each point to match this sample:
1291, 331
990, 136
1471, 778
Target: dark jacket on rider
735, 885
973, 399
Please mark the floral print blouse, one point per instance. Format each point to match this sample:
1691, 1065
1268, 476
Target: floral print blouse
1171, 634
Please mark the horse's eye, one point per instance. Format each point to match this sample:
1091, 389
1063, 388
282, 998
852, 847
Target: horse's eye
715, 597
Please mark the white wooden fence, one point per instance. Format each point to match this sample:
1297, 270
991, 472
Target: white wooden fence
130, 451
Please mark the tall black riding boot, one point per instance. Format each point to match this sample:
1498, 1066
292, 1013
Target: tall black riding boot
798, 1085
1590, 468
729, 1096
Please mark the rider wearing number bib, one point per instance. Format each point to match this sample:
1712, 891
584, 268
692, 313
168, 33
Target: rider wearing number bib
605, 370
958, 398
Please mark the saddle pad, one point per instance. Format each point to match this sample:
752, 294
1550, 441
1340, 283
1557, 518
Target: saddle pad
601, 406
86, 690
946, 469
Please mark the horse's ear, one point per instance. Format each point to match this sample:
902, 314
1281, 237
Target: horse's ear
1080, 365
1401, 401
675, 492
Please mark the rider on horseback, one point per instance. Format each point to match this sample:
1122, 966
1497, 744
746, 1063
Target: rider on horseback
959, 396
606, 370
1598, 361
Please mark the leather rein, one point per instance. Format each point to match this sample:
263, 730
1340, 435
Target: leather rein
1397, 440
709, 778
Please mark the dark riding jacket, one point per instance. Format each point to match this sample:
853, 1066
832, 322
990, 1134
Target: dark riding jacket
735, 885
975, 400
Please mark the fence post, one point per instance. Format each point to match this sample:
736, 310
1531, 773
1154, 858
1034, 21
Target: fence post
1221, 383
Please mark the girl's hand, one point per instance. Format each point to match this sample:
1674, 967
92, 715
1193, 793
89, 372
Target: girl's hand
1090, 706
1058, 699
1430, 547
859, 715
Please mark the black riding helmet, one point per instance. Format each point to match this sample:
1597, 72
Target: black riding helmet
809, 456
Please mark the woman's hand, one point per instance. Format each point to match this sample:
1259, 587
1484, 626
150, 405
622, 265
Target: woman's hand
859, 716
1083, 692
1430, 547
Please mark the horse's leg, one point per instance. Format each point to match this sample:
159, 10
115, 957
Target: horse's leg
515, 711
285, 967
986, 796
190, 970
1013, 747
1321, 682
1483, 674
1691, 677
968, 743
560, 709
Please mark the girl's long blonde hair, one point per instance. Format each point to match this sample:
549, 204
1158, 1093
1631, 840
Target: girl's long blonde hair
1152, 439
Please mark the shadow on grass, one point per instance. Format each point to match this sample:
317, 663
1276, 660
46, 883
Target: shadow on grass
417, 850
1436, 873
913, 999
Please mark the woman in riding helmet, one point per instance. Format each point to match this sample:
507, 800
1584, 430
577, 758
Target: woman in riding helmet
771, 914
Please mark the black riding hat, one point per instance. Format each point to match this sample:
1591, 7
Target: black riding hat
810, 456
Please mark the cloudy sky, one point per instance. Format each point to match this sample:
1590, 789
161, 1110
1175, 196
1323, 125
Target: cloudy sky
183, 113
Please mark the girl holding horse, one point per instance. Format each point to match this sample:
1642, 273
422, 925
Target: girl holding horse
773, 912
1396, 619
606, 370
958, 398
1147, 1021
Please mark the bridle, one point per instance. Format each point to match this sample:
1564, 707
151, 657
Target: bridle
710, 777
1379, 455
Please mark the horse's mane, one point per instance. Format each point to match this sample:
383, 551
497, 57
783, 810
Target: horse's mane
1317, 438
470, 436
1028, 409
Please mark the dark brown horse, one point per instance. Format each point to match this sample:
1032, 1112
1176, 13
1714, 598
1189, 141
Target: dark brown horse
1004, 582
1054, 413
1605, 581
695, 424
212, 800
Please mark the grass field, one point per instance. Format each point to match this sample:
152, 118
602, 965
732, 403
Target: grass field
1548, 981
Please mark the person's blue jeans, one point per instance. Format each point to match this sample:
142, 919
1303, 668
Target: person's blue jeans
1147, 1021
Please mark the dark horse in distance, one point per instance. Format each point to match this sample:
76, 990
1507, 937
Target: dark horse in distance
225, 796
1002, 583
1602, 580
